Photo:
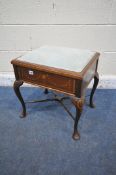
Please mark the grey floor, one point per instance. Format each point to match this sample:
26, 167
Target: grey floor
41, 143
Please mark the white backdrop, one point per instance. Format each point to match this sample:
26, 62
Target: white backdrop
86, 24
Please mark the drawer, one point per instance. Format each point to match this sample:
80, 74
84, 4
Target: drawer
54, 81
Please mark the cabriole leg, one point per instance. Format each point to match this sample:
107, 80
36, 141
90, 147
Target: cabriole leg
16, 86
96, 80
46, 91
79, 106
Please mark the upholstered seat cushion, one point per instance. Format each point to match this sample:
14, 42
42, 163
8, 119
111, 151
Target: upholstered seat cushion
60, 57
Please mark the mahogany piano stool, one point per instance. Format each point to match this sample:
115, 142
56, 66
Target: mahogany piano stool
65, 70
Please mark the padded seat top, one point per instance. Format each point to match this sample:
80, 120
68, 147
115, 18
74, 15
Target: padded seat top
71, 59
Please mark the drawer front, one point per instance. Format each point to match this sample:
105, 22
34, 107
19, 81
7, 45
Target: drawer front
47, 79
